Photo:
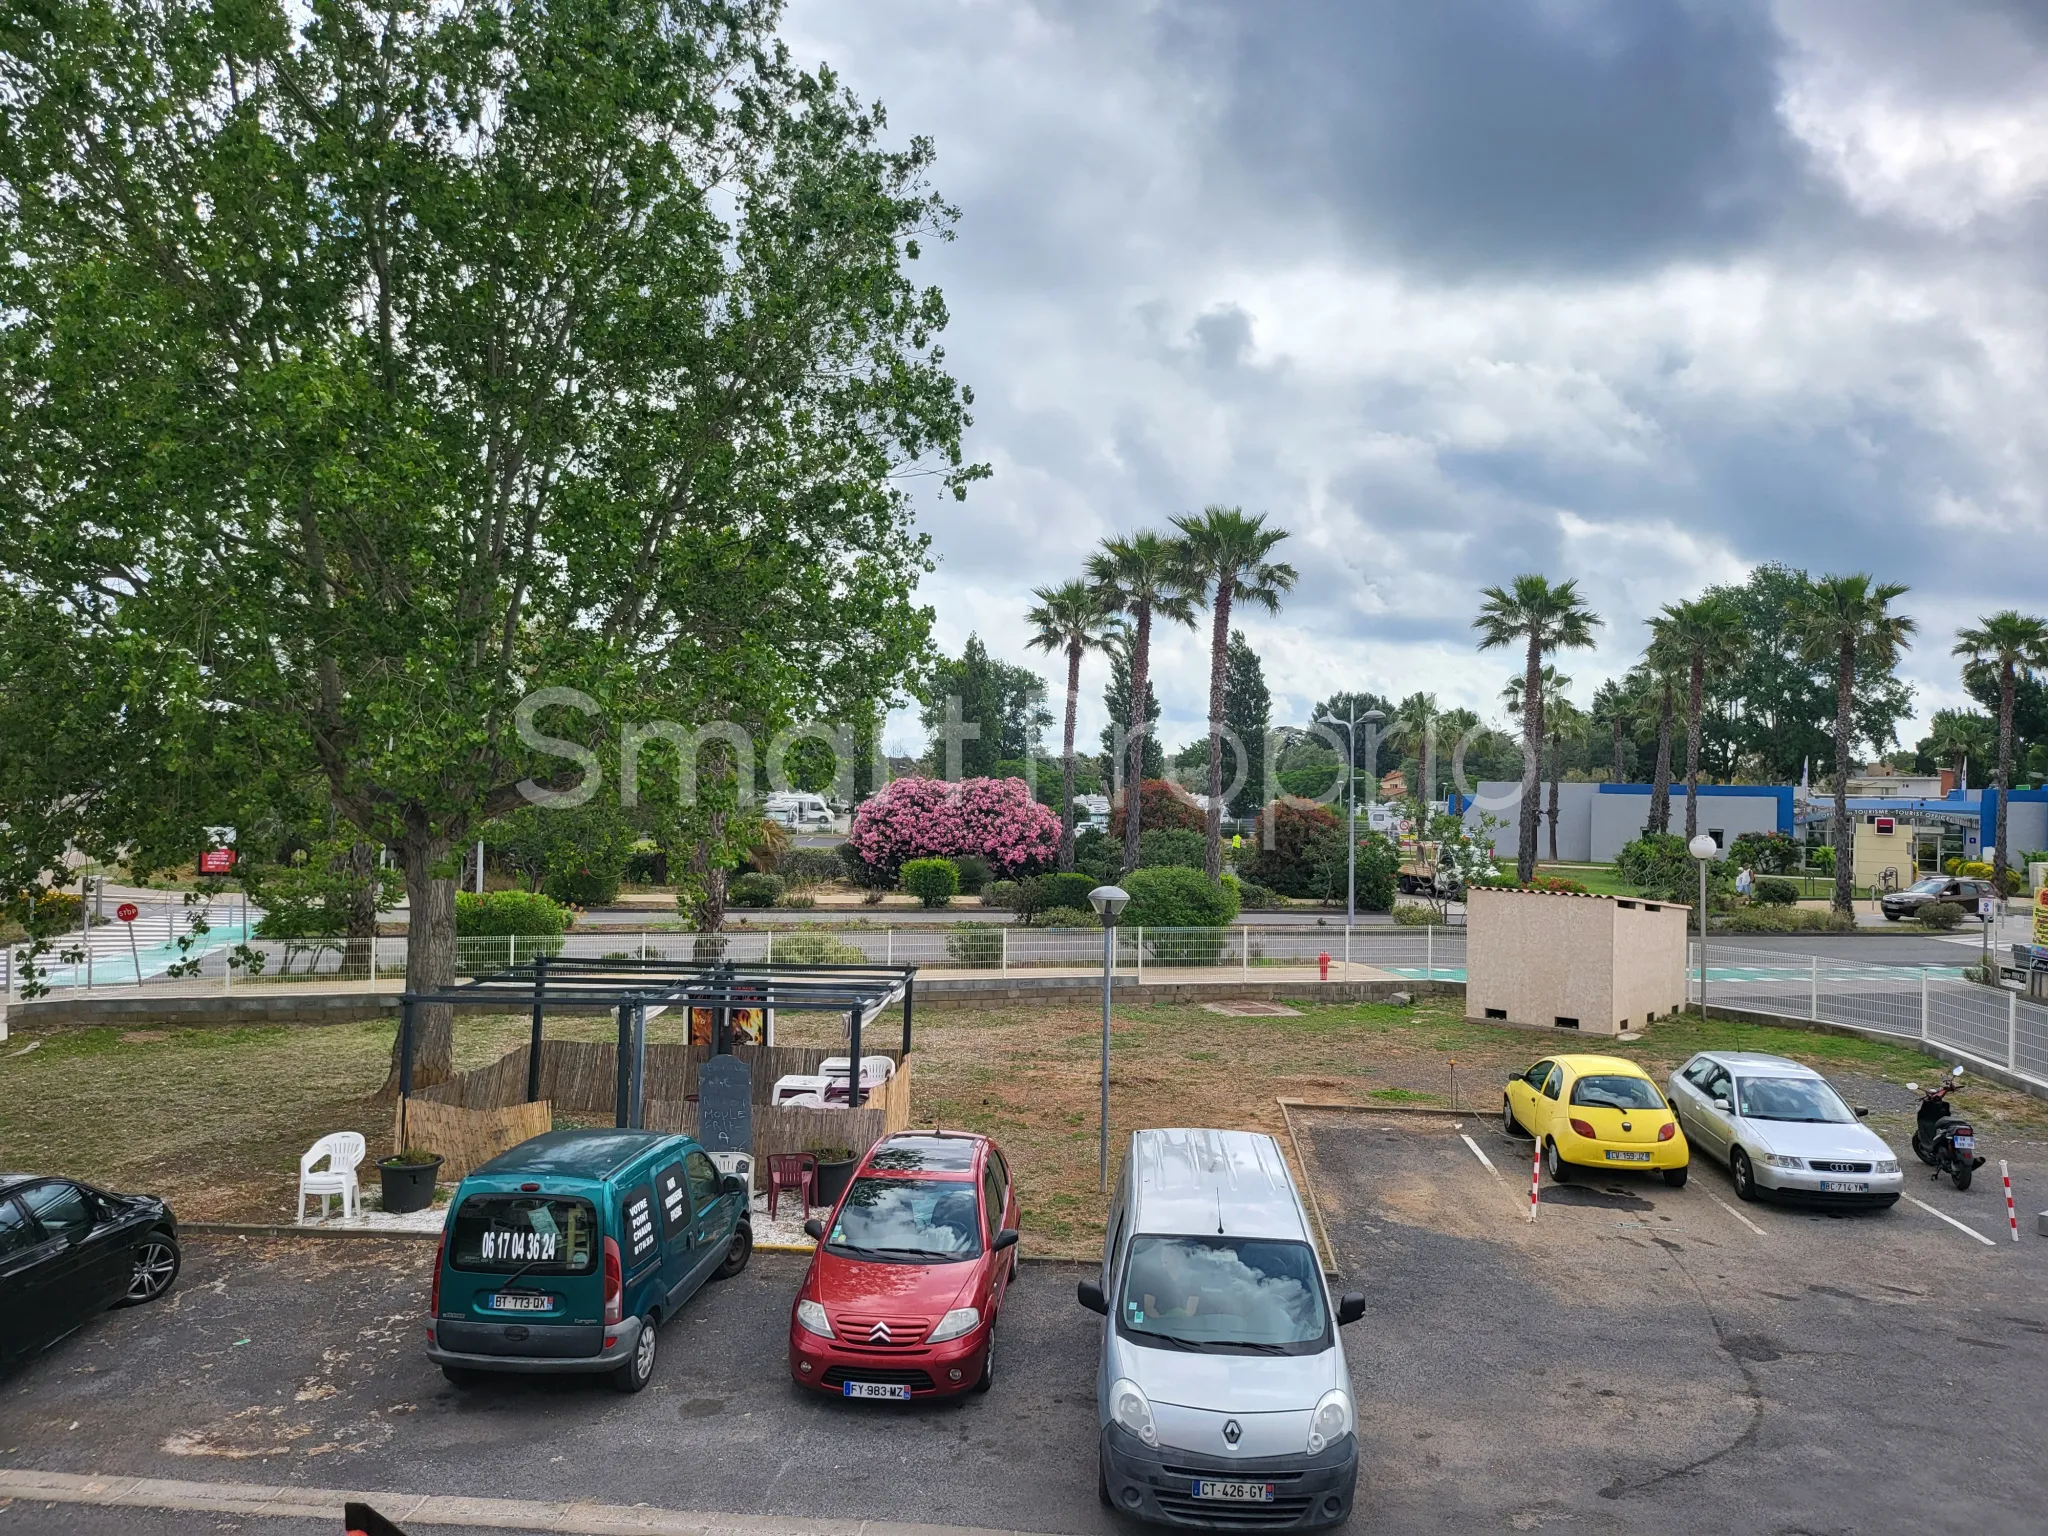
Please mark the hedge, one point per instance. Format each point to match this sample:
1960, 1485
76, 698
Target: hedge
521, 914
1177, 898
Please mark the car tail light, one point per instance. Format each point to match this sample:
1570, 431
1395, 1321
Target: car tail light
1585, 1130
1667, 1130
614, 1283
434, 1293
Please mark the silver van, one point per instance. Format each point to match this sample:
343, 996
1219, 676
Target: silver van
1223, 1397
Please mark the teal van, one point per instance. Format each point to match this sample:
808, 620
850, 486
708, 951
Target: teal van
565, 1254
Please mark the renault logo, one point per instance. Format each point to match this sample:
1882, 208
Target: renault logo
879, 1334
1232, 1431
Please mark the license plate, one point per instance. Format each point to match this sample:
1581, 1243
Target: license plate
1843, 1187
1966, 1143
1234, 1493
1628, 1157
513, 1301
881, 1389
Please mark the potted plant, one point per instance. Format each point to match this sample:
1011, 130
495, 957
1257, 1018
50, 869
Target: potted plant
408, 1179
835, 1171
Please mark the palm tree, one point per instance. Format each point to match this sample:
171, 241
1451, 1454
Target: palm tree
1660, 674
1223, 556
1414, 724
1957, 735
1562, 721
1070, 618
1710, 634
1143, 575
1846, 621
1616, 704
1542, 618
2012, 643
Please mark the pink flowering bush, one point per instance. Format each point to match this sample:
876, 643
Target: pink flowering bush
993, 819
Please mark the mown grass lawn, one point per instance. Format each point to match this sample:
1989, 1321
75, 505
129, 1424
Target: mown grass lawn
216, 1118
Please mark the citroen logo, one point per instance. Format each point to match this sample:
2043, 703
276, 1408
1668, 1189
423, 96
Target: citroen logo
879, 1334
1232, 1431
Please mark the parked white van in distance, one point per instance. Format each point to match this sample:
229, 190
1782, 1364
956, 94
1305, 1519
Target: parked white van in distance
798, 810
1223, 1397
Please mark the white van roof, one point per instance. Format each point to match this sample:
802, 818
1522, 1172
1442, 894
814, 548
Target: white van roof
1200, 1181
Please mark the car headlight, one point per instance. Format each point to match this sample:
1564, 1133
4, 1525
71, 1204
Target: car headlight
1130, 1407
1886, 1165
956, 1322
1331, 1421
1780, 1160
810, 1316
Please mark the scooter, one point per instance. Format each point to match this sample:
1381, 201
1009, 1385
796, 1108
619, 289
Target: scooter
1940, 1140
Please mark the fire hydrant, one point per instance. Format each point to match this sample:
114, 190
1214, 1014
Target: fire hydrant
1323, 960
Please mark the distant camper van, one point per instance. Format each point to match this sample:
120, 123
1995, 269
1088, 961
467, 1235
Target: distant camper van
799, 811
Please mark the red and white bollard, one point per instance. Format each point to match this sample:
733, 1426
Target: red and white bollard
2011, 1216
1535, 1175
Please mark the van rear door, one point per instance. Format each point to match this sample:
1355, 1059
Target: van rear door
529, 1256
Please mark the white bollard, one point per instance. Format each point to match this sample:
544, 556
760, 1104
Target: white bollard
2011, 1216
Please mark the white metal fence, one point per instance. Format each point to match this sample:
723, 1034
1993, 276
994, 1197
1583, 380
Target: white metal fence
222, 963
1990, 1026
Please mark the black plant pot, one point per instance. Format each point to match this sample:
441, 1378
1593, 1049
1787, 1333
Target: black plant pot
408, 1186
833, 1179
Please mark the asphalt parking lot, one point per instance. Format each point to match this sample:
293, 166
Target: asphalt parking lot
1638, 1359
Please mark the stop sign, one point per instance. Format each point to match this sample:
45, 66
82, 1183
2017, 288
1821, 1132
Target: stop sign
127, 912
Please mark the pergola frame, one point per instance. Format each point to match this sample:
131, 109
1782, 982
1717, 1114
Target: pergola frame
636, 990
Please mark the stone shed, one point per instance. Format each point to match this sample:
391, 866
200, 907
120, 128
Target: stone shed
1600, 964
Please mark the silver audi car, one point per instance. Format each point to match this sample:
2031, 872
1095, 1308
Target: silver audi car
1781, 1127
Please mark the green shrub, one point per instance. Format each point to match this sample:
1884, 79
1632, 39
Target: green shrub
976, 944
1172, 848
809, 946
1822, 858
1177, 898
974, 873
1409, 915
582, 887
858, 872
934, 882
1781, 920
802, 868
1939, 915
1002, 895
1041, 893
1067, 917
1660, 867
1379, 860
1253, 897
1307, 853
1099, 856
755, 891
1771, 892
522, 914
42, 913
1764, 853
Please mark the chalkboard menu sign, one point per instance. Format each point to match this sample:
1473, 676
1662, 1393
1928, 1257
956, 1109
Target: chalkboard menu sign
674, 1194
638, 1205
725, 1105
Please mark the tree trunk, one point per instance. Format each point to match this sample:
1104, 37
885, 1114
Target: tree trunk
1660, 780
362, 909
1695, 702
1134, 774
708, 910
1219, 650
1067, 758
1845, 843
2005, 702
429, 958
1616, 723
1556, 772
1532, 761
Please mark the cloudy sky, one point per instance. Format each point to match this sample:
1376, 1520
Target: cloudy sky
1637, 291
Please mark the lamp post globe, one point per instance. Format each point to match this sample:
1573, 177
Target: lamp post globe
1703, 847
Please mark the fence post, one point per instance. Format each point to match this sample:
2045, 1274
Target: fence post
1003, 960
373, 958
1813, 989
888, 946
1245, 954
1429, 953
511, 950
1141, 955
643, 944
2012, 1031
227, 972
1923, 1002
768, 959
1347, 951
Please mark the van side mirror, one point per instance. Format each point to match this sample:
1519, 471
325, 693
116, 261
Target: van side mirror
732, 1184
1089, 1294
1007, 1238
814, 1229
1862, 1111
1351, 1308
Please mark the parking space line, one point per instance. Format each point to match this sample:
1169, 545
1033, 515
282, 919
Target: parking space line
1959, 1226
1759, 1231
1479, 1152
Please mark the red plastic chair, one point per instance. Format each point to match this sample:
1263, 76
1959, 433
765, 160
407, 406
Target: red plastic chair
792, 1171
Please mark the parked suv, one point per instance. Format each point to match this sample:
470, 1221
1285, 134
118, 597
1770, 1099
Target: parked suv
1963, 890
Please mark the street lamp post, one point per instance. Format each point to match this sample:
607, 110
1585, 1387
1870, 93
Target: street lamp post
1703, 848
1373, 718
1108, 902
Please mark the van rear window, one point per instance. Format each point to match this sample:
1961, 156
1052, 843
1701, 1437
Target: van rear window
507, 1232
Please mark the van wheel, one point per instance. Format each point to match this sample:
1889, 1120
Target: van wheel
1102, 1483
639, 1367
459, 1376
737, 1252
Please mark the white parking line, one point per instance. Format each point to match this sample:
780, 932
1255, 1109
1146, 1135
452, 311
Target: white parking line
1759, 1231
1930, 1210
1479, 1152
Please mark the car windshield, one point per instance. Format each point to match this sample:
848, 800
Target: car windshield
1793, 1098
915, 1221
1929, 887
1224, 1295
547, 1234
1617, 1092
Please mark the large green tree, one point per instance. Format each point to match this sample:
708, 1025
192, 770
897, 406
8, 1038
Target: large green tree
368, 368
1707, 634
979, 711
2005, 645
1248, 711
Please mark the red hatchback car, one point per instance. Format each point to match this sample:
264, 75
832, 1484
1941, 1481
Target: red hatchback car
910, 1272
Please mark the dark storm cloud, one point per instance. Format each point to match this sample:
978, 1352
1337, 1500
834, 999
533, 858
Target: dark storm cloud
1469, 135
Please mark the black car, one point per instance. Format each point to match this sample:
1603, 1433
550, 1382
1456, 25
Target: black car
1962, 890
69, 1251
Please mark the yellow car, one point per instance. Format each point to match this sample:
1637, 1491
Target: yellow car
1595, 1112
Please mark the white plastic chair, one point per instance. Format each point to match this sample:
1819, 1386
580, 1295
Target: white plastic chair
737, 1163
341, 1152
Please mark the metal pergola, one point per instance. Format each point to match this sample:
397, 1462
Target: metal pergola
637, 990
